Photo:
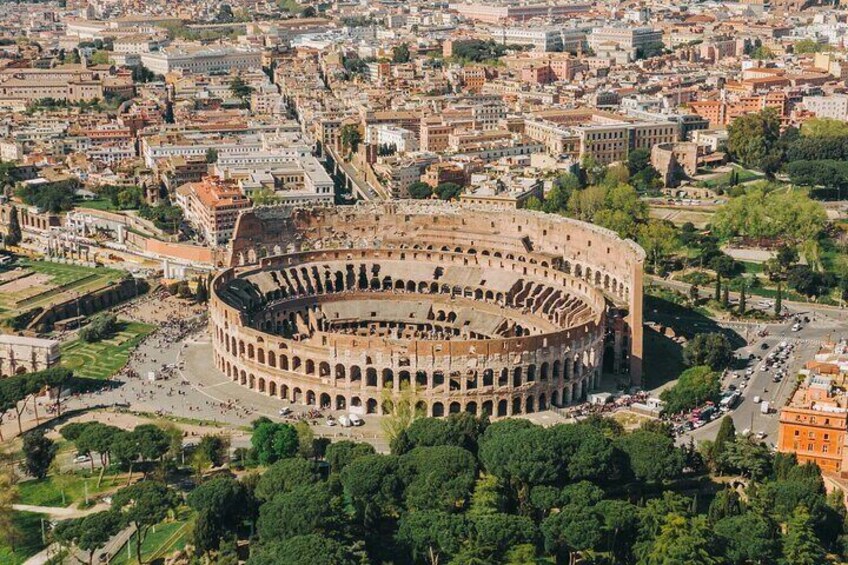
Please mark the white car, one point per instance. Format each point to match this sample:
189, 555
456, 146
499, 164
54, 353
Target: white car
285, 411
796, 328
82, 458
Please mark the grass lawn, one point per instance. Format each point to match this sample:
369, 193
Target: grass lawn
743, 175
48, 492
168, 537
29, 527
46, 283
102, 359
752, 268
97, 204
62, 274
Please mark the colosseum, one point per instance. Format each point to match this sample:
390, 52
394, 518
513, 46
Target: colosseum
460, 308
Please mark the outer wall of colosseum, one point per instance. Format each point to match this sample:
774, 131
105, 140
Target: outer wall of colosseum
290, 318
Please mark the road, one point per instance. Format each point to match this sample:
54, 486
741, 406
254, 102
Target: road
753, 300
199, 391
362, 186
823, 326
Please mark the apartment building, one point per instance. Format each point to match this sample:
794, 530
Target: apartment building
496, 13
814, 423
544, 39
403, 140
607, 137
503, 191
834, 106
722, 112
202, 59
813, 426
628, 39
212, 206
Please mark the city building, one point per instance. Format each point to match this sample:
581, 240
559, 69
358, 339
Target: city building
814, 423
212, 206
201, 59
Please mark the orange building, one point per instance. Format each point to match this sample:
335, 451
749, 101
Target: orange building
212, 206
814, 423
721, 112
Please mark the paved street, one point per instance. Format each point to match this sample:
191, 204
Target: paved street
823, 326
196, 389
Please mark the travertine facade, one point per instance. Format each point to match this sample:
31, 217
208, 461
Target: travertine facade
473, 309
19, 354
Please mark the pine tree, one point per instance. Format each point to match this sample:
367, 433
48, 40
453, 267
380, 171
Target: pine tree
725, 296
694, 293
800, 544
201, 295
718, 288
14, 236
778, 301
743, 306
726, 434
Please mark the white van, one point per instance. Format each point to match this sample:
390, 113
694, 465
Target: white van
355, 420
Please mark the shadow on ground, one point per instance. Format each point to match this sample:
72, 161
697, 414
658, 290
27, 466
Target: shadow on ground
663, 355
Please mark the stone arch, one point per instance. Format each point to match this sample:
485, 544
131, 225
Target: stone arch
310, 398
488, 377
340, 372
502, 407
438, 410
325, 401
486, 408
371, 406
272, 359
471, 407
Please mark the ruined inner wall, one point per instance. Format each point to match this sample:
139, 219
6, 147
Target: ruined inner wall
586, 252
